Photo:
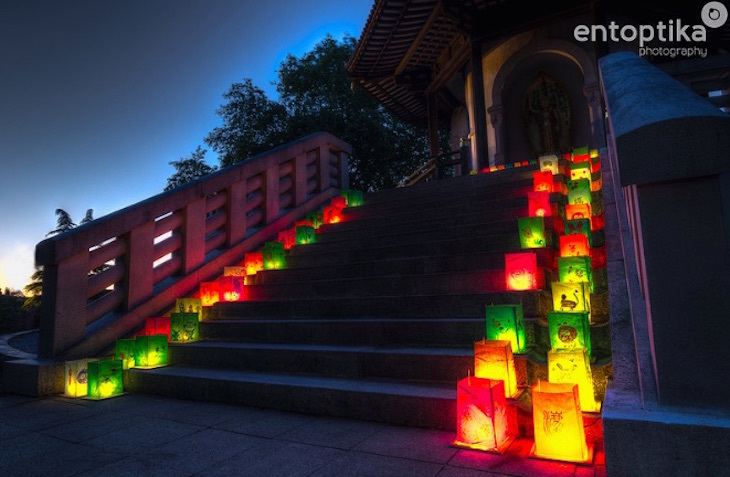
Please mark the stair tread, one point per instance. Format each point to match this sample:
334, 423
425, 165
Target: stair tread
360, 385
390, 350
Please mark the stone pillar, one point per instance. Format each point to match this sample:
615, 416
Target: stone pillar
496, 115
592, 93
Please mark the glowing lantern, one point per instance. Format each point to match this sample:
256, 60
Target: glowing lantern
493, 359
332, 215
579, 192
574, 245
549, 163
575, 270
532, 232
274, 257
558, 421
538, 204
481, 415
521, 271
234, 271
577, 211
581, 154
569, 330
253, 262
184, 327
506, 322
209, 293
574, 366
150, 351
542, 181
124, 351
338, 202
571, 297
159, 325
315, 218
288, 238
105, 378
304, 234
580, 170
76, 378
189, 305
579, 226
353, 197
231, 288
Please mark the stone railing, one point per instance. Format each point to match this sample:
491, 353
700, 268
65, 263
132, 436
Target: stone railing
102, 279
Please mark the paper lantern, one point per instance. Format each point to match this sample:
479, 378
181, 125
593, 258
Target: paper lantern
230, 288
234, 271
569, 330
538, 204
521, 271
549, 163
579, 192
532, 232
274, 256
574, 366
558, 423
506, 322
482, 420
124, 351
158, 325
353, 198
331, 215
338, 202
189, 305
304, 234
579, 170
315, 218
574, 245
253, 262
579, 226
493, 359
105, 378
542, 181
577, 211
150, 351
581, 154
76, 378
571, 297
575, 270
209, 293
288, 238
184, 327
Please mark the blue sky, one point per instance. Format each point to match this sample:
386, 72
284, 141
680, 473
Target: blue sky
98, 96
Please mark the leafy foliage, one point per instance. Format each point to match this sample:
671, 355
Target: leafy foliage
189, 169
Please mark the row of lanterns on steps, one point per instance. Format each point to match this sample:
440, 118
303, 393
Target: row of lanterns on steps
103, 377
486, 409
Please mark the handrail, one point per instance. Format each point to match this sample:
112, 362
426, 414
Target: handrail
162, 247
430, 169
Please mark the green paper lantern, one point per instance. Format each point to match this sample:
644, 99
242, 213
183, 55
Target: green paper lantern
274, 257
532, 232
575, 270
304, 234
506, 322
105, 378
579, 170
315, 218
189, 305
150, 351
579, 191
354, 198
124, 351
579, 226
184, 327
569, 330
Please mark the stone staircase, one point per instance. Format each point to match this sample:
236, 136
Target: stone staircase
377, 319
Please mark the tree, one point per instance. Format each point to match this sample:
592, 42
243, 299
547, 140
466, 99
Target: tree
88, 217
189, 169
64, 223
252, 123
316, 95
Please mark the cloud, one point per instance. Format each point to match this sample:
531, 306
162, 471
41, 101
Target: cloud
16, 266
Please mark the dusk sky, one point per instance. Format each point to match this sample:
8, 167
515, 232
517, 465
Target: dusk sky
97, 97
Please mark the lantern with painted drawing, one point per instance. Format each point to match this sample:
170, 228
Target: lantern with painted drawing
157, 325
579, 192
538, 204
274, 256
239, 271
521, 271
209, 293
569, 330
231, 287
184, 327
493, 359
542, 181
506, 322
106, 378
253, 262
532, 232
580, 170
574, 366
331, 214
124, 351
150, 351
188, 305
287, 237
76, 378
304, 234
549, 163
482, 418
575, 270
571, 297
574, 245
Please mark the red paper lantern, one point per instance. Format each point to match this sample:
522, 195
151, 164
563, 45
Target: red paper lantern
538, 204
209, 293
339, 202
332, 214
574, 245
288, 238
254, 262
521, 271
157, 326
231, 288
482, 415
542, 181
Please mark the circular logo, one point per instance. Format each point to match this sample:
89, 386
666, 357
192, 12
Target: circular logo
714, 14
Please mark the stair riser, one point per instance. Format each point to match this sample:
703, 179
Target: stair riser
433, 413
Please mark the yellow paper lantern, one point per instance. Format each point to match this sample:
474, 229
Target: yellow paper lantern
571, 296
493, 359
234, 271
574, 366
558, 423
189, 305
209, 293
76, 378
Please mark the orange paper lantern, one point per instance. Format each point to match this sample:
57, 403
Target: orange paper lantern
253, 262
493, 359
577, 211
209, 293
574, 245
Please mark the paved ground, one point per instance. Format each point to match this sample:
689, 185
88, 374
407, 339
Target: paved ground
140, 435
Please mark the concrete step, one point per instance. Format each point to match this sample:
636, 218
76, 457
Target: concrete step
417, 404
462, 305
